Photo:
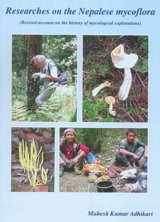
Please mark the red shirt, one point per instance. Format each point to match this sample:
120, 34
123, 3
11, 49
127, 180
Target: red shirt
70, 151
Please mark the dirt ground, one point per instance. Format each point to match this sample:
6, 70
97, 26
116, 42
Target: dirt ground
70, 182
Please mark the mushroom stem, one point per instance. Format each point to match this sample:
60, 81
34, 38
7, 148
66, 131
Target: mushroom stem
126, 85
111, 111
126, 62
98, 88
111, 100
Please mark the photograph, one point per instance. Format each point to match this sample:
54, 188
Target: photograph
103, 160
44, 78
115, 78
32, 159
79, 109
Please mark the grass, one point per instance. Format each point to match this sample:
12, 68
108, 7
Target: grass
61, 107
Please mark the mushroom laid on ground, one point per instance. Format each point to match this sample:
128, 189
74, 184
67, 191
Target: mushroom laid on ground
111, 101
128, 174
98, 88
122, 60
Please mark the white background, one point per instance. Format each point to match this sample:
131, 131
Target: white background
57, 206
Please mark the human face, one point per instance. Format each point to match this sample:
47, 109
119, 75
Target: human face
70, 137
39, 64
131, 137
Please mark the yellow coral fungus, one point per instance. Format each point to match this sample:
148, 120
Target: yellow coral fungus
34, 181
30, 161
44, 175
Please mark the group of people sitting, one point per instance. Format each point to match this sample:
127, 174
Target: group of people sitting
130, 152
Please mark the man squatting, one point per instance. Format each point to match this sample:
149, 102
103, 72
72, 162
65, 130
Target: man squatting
48, 74
131, 150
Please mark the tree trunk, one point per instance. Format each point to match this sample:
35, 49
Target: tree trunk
35, 48
24, 52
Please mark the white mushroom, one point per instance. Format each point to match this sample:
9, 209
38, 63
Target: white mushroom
128, 174
98, 88
126, 85
111, 101
122, 60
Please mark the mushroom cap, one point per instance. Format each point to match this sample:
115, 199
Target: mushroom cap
110, 99
118, 51
122, 60
107, 83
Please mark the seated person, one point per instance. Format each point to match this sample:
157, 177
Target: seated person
71, 152
131, 150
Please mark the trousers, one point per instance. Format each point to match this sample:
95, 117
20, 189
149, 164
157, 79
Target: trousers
126, 160
78, 166
43, 96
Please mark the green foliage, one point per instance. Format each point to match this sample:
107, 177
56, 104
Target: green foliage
142, 111
143, 68
60, 107
141, 48
102, 140
19, 84
94, 110
98, 68
90, 137
63, 50
19, 52
142, 135
19, 111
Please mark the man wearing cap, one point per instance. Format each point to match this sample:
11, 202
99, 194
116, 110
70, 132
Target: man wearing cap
132, 151
48, 74
71, 152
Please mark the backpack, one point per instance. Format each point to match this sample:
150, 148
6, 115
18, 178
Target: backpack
62, 77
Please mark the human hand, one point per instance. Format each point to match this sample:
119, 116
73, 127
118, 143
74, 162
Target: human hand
136, 158
61, 162
146, 155
74, 161
36, 75
146, 152
42, 76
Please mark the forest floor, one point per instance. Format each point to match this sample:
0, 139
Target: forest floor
98, 68
61, 107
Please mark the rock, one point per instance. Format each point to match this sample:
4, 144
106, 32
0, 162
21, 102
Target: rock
42, 188
16, 167
47, 133
46, 163
52, 161
16, 172
25, 181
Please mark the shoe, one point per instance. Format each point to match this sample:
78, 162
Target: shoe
77, 172
60, 173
